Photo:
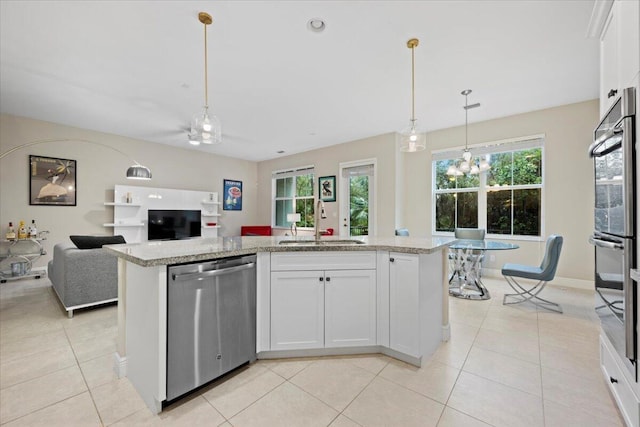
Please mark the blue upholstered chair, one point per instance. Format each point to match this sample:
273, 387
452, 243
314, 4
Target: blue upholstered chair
402, 232
543, 274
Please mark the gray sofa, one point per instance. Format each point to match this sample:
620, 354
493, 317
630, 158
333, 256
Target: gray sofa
83, 277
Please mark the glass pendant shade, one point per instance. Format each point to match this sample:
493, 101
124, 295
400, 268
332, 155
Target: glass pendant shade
411, 140
205, 129
484, 165
475, 170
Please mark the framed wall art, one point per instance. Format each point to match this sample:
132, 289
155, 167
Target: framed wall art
52, 181
327, 188
232, 195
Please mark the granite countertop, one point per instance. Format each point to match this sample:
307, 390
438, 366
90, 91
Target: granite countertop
155, 253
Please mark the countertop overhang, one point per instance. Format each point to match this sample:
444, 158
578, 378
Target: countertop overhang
157, 253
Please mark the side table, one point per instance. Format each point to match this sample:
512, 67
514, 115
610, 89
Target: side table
17, 257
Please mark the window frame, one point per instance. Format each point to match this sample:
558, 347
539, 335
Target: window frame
291, 173
502, 146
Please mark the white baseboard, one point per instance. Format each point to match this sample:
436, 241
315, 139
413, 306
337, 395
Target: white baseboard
446, 332
119, 365
560, 282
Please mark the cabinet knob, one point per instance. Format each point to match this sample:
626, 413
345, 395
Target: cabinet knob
328, 279
392, 259
321, 278
613, 380
612, 93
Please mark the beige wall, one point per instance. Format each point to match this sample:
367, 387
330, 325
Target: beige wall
568, 186
326, 162
99, 169
568, 194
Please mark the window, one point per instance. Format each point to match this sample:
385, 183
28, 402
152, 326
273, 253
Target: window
293, 193
505, 200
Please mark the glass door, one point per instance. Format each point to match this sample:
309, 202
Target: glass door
356, 200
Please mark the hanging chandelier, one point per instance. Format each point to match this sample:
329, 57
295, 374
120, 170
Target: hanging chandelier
205, 127
410, 139
467, 164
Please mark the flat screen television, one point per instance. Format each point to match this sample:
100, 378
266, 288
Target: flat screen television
173, 224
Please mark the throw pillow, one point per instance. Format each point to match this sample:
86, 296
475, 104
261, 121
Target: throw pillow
93, 242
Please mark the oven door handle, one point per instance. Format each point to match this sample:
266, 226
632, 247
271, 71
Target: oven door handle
602, 139
605, 244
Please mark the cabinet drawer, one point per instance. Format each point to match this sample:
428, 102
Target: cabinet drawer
330, 260
622, 391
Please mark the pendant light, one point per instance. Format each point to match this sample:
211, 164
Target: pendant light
410, 139
467, 165
205, 127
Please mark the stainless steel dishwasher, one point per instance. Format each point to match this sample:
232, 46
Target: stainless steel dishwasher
211, 321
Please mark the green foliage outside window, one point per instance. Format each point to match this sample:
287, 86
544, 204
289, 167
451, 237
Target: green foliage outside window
511, 209
359, 205
294, 191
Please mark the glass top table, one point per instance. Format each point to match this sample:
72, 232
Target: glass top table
466, 257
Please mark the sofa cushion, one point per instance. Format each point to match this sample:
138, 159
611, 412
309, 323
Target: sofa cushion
93, 242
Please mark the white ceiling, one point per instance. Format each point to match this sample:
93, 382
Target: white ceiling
135, 68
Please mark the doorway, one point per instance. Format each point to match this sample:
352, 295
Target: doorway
357, 198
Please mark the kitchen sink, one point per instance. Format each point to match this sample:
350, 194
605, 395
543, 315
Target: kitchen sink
321, 242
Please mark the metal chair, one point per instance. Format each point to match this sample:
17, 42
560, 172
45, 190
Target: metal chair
543, 274
402, 232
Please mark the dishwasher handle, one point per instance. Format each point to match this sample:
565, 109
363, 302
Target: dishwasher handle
211, 273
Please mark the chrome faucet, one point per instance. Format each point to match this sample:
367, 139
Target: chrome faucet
316, 220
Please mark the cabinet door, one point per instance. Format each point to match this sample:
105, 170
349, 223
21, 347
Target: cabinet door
629, 41
350, 308
404, 309
297, 310
609, 62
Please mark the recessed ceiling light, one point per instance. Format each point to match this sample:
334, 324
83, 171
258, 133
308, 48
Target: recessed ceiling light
316, 25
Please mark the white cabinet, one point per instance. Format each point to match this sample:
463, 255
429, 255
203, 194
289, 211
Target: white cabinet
316, 307
404, 309
350, 308
629, 36
617, 381
619, 51
609, 86
297, 310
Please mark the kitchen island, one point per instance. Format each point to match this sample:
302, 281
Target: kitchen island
365, 295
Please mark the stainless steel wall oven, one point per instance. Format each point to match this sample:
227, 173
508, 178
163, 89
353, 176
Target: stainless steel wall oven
615, 234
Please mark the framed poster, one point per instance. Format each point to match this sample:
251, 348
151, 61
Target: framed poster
52, 181
327, 188
232, 195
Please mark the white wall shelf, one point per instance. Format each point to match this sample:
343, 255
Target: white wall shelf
131, 219
133, 205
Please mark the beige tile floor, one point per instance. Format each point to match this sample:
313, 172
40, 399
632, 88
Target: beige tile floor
504, 366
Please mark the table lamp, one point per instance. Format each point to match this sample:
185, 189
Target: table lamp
293, 218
